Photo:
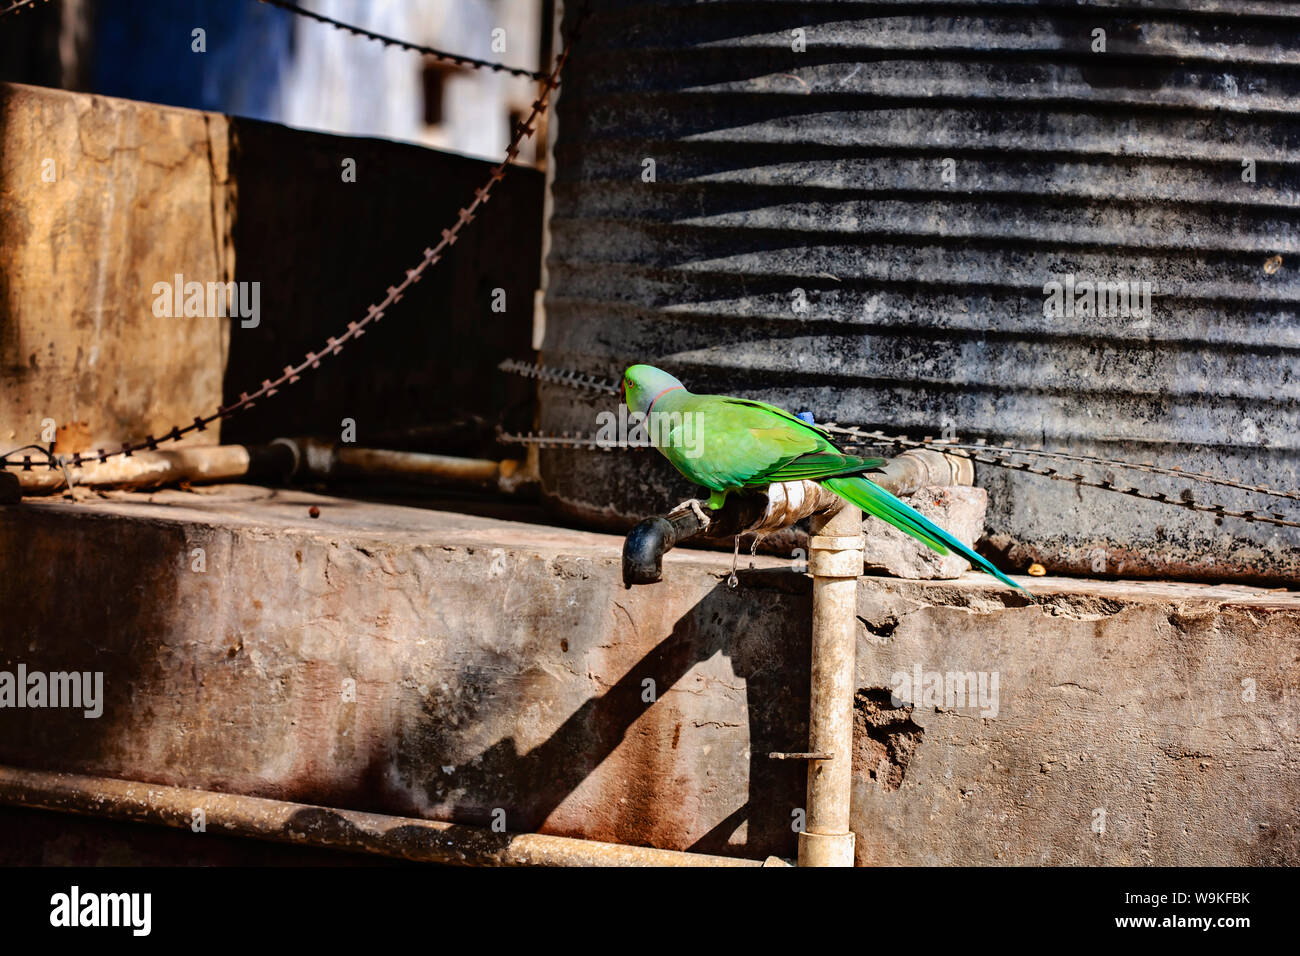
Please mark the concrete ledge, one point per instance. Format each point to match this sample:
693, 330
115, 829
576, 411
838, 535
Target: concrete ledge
474, 669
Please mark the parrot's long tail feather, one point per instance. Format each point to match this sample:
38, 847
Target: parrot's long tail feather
875, 500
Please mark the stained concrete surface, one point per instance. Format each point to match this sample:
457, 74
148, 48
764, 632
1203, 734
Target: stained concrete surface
99, 200
457, 666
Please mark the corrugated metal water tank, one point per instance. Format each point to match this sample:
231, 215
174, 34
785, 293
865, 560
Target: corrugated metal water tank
855, 209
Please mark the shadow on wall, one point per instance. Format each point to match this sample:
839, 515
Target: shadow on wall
117, 636
643, 769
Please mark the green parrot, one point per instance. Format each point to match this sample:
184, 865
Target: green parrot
729, 444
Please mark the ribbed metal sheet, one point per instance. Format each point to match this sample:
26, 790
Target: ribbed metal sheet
822, 171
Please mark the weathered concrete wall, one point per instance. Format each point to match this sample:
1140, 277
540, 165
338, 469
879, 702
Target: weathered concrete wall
139, 194
1134, 725
501, 665
496, 665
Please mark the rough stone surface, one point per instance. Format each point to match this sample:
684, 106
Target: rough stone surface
139, 194
1134, 725
449, 665
494, 664
958, 510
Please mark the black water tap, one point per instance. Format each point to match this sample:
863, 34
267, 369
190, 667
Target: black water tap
646, 544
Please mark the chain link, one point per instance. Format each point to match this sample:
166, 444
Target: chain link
443, 55
1001, 456
355, 329
1008, 450
562, 440
552, 376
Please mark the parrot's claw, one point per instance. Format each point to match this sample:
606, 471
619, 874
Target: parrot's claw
705, 520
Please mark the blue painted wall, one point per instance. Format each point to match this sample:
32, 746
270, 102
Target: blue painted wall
143, 51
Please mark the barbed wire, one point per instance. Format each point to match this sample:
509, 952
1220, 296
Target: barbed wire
569, 379
1001, 456
564, 440
456, 58
355, 329
1006, 461
982, 447
19, 6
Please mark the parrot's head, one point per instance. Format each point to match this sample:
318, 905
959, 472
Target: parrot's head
642, 384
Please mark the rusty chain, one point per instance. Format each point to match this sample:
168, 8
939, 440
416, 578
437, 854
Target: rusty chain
355, 329
982, 447
1001, 456
456, 59
565, 377
387, 41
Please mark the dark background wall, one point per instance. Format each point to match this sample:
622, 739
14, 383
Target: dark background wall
326, 249
819, 175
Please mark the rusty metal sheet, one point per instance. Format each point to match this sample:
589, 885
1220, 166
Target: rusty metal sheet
865, 229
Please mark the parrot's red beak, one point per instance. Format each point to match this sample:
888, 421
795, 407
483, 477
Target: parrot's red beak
622, 392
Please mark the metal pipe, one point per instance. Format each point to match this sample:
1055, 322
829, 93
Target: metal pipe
835, 560
323, 459
646, 544
408, 838
281, 458
153, 469
408, 464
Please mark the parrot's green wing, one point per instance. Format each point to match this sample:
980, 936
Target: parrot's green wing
734, 443
780, 413
815, 466
744, 444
